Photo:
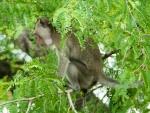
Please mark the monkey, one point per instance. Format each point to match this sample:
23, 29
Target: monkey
5, 68
83, 68
24, 42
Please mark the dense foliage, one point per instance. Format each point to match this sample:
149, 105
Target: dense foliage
117, 24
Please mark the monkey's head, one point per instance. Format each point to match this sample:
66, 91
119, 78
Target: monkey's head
43, 32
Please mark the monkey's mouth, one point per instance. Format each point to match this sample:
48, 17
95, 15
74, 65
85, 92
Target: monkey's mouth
39, 39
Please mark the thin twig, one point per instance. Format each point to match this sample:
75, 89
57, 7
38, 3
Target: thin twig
29, 106
93, 89
134, 20
110, 53
70, 101
23, 99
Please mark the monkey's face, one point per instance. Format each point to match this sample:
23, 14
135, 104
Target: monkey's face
43, 32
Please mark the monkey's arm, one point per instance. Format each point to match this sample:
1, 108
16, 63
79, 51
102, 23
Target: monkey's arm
63, 63
77, 61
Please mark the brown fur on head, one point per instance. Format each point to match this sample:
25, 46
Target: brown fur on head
45, 22
43, 32
46, 33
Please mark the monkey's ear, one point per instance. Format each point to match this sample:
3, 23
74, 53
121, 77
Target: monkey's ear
44, 22
50, 25
38, 19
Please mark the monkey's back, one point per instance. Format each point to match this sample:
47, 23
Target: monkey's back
89, 55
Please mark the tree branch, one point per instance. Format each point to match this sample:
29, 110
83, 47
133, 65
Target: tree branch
23, 99
110, 53
93, 89
70, 101
29, 106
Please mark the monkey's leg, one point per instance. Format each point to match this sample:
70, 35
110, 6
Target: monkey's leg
83, 76
72, 76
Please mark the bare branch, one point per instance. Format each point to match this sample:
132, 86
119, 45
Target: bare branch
95, 88
70, 101
110, 53
23, 99
29, 106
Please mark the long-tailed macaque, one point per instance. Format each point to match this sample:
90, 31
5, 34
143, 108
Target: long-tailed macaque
82, 67
24, 42
5, 69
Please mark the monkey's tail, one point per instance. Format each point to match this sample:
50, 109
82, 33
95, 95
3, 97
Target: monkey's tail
104, 80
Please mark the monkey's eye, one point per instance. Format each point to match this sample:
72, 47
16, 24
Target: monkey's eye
43, 23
